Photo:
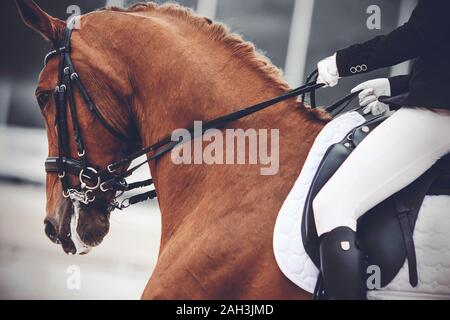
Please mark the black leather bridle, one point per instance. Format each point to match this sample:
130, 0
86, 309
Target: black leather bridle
94, 181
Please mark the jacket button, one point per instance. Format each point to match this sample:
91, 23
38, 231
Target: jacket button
353, 70
364, 67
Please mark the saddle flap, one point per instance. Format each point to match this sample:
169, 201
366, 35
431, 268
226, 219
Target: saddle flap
331, 162
333, 159
381, 234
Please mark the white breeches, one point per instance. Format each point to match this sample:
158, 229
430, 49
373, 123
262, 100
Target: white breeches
394, 155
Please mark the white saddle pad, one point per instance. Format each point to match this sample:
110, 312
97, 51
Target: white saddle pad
431, 234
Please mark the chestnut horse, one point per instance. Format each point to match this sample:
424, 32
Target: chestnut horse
161, 67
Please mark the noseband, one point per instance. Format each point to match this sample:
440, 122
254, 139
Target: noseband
94, 181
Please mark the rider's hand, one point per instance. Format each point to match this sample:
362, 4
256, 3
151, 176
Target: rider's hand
371, 91
328, 71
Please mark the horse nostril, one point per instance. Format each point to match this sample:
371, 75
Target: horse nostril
50, 231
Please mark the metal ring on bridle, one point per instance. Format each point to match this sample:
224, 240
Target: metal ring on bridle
62, 175
81, 176
66, 194
82, 154
111, 170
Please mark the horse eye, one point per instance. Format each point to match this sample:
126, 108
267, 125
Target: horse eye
43, 98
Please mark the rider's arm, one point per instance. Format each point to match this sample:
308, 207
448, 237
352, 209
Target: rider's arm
399, 84
427, 29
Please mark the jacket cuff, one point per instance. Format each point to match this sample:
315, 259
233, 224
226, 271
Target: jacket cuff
347, 65
399, 84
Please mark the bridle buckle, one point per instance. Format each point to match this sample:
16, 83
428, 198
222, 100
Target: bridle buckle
124, 204
110, 170
103, 188
61, 88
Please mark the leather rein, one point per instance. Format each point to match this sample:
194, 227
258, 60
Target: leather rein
94, 181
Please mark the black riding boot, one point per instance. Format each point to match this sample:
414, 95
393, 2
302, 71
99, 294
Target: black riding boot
343, 265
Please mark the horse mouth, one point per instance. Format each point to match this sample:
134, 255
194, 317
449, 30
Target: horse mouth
64, 241
80, 228
88, 228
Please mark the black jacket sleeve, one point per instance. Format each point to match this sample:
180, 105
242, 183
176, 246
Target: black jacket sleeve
427, 29
399, 84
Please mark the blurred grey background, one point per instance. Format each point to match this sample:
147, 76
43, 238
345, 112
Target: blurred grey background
295, 34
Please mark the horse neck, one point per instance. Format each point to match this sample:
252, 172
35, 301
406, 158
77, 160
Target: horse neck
191, 78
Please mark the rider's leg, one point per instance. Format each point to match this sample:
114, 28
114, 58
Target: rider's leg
395, 154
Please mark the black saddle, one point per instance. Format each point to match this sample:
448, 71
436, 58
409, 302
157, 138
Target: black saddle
386, 231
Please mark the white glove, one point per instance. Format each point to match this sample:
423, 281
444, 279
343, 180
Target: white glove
328, 71
371, 91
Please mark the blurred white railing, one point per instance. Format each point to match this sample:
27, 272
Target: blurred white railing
207, 8
23, 153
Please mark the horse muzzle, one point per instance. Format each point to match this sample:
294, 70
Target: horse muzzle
76, 227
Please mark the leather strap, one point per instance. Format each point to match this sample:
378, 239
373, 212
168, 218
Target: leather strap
312, 95
402, 211
166, 145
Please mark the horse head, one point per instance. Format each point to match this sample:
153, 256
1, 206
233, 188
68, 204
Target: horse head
75, 225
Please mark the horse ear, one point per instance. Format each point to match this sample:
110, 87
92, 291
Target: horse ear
37, 19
